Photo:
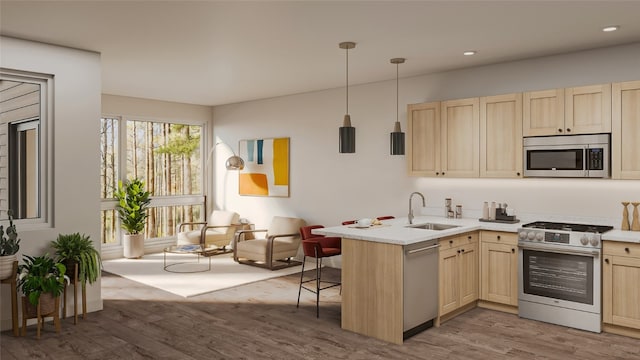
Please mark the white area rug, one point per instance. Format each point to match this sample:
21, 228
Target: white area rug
224, 273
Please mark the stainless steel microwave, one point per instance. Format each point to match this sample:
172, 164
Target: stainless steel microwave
576, 156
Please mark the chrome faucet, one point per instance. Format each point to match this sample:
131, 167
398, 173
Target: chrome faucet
410, 209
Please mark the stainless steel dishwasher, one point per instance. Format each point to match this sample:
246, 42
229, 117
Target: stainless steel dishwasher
420, 295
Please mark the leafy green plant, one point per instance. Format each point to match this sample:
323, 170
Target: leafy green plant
40, 275
76, 248
9, 244
133, 202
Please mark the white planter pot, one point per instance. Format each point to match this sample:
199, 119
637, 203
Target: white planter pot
133, 246
6, 266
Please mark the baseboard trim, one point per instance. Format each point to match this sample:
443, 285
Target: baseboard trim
498, 307
621, 330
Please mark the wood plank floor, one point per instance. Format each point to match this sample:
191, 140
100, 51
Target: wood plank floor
260, 321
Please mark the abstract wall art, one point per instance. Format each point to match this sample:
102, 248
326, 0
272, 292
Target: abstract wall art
266, 169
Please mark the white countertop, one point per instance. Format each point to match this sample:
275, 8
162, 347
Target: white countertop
396, 231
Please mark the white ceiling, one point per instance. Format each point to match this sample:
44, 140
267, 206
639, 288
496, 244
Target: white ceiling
219, 52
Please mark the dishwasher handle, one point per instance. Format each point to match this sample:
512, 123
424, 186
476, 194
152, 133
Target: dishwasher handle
413, 251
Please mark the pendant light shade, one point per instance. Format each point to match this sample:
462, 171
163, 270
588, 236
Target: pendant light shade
397, 136
347, 132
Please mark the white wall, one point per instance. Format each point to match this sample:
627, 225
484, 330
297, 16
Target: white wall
76, 165
328, 187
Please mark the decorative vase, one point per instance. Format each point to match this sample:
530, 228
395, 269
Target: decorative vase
6, 266
133, 246
635, 225
625, 217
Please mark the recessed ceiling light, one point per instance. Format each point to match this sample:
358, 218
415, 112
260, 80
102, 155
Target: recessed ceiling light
469, 53
611, 28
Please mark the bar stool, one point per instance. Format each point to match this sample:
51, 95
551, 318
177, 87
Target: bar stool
318, 247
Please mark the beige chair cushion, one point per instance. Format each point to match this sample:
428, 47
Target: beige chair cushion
283, 247
214, 237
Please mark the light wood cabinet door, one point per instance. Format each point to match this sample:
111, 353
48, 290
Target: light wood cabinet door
423, 127
449, 284
501, 136
587, 109
625, 142
621, 292
458, 278
543, 112
468, 273
499, 273
460, 128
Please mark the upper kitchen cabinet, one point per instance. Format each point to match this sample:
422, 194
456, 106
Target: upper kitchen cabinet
543, 112
423, 123
577, 110
460, 147
587, 109
625, 142
501, 136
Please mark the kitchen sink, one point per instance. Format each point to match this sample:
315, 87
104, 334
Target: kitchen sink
432, 226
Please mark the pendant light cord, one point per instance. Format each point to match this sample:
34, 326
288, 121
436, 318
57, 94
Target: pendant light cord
347, 81
397, 94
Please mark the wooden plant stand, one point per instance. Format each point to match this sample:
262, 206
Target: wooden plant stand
75, 283
12, 281
39, 315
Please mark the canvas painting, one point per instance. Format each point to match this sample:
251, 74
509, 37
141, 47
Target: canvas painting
266, 167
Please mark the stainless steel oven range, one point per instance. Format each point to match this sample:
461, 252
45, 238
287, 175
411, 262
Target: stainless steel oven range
559, 274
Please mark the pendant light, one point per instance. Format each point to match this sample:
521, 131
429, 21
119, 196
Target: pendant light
397, 136
347, 132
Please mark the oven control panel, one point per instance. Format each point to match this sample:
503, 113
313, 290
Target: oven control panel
560, 237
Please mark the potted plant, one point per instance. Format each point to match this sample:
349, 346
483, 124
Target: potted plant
133, 202
78, 249
9, 246
41, 279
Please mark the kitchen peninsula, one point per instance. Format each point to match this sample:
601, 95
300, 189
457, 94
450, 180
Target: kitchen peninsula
381, 288
385, 293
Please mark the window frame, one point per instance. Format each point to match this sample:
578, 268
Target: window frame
45, 146
156, 201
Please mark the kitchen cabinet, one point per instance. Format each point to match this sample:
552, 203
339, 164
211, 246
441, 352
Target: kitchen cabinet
458, 274
501, 136
543, 112
460, 129
620, 289
576, 110
587, 109
499, 269
423, 124
444, 138
625, 142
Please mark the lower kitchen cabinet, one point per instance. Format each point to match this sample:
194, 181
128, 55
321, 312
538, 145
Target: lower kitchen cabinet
621, 288
458, 277
499, 270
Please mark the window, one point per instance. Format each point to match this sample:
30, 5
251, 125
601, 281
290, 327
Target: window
25, 145
166, 156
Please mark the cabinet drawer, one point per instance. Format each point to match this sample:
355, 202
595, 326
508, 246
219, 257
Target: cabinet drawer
499, 237
458, 240
621, 248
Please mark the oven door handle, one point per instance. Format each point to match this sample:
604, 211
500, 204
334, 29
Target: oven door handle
554, 249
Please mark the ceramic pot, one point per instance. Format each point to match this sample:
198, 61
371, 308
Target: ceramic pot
133, 246
6, 266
